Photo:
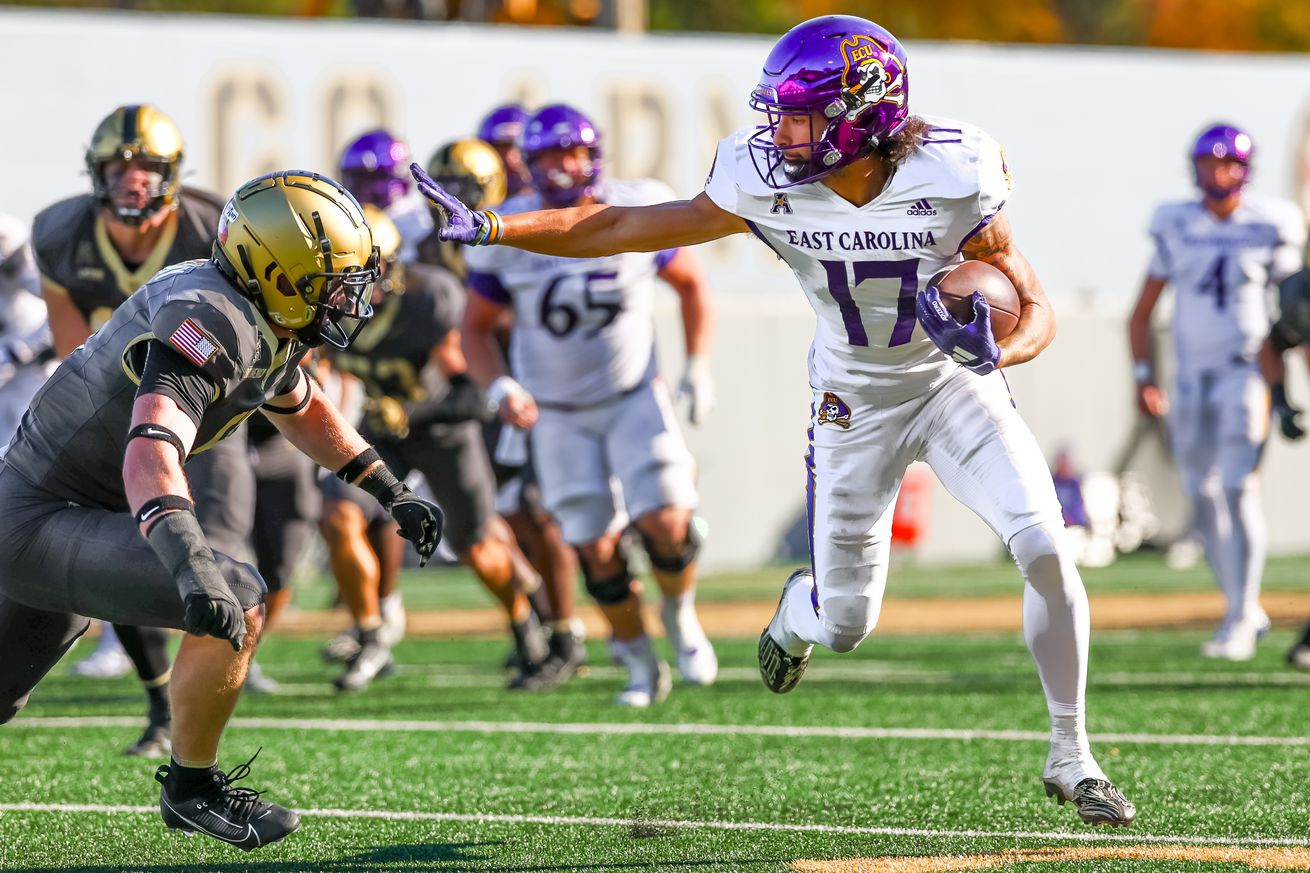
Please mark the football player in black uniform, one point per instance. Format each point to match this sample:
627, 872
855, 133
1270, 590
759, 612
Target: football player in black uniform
423, 413
93, 252
473, 169
98, 519
1291, 330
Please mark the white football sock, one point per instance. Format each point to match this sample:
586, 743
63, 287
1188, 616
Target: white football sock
1056, 619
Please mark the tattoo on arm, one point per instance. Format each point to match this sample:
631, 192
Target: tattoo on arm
1036, 328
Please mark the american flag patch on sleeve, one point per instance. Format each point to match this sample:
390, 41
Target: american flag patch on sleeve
191, 340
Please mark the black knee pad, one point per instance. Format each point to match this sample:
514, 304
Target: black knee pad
245, 582
675, 563
8, 712
610, 590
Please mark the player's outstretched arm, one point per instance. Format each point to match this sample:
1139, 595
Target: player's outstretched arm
598, 230
308, 419
592, 231
1036, 328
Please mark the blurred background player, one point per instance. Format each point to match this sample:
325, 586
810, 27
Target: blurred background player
26, 350
373, 168
473, 170
422, 412
600, 414
1290, 331
1222, 253
502, 128
93, 252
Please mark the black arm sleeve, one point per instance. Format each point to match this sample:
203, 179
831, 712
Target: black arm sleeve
464, 401
168, 373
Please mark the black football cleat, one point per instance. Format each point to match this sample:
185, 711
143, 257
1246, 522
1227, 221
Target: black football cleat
155, 742
233, 815
780, 671
567, 657
1097, 800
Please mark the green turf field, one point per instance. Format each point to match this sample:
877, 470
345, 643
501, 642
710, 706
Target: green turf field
439, 769
456, 588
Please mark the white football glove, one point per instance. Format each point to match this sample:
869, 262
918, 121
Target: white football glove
698, 386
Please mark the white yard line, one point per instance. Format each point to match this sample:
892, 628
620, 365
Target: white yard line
646, 728
1081, 836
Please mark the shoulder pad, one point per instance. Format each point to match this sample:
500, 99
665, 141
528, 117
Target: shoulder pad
54, 232
202, 325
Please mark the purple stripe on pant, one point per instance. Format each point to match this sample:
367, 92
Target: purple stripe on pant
809, 507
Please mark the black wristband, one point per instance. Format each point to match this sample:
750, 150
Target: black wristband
153, 510
151, 431
383, 485
358, 465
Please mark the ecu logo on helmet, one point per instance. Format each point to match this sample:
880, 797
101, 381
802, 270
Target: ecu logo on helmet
866, 80
833, 410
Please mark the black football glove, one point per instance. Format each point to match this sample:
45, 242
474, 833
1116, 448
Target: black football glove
421, 522
214, 612
1287, 413
209, 607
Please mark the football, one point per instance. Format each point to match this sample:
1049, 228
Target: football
957, 283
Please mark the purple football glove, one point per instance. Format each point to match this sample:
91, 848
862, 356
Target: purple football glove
462, 224
968, 344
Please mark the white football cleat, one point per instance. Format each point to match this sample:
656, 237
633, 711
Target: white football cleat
1072, 775
393, 620
259, 682
106, 662
649, 680
1234, 642
697, 662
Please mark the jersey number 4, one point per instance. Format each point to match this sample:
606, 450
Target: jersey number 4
840, 287
599, 302
1216, 281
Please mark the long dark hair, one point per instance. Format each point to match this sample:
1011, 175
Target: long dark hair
900, 146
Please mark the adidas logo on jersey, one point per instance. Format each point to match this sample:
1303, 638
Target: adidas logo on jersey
921, 207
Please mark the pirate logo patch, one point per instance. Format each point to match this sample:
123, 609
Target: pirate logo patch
833, 410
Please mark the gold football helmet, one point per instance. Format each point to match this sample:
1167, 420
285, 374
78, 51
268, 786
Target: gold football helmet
471, 170
299, 246
142, 134
386, 236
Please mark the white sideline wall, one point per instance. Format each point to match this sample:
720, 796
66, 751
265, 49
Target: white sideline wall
1095, 137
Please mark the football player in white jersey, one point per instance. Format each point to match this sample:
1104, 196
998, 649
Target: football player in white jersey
27, 352
600, 416
865, 202
1223, 254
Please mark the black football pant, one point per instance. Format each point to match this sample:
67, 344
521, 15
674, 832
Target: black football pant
62, 564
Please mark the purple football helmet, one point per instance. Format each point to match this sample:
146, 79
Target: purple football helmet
848, 70
1226, 142
375, 168
562, 127
503, 125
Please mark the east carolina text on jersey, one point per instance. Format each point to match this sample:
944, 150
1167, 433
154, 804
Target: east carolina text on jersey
862, 267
